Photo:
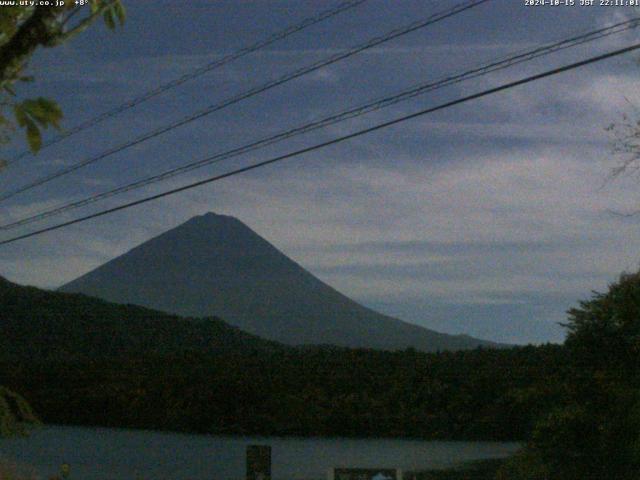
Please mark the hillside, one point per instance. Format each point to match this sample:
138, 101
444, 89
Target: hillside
83, 361
216, 265
40, 324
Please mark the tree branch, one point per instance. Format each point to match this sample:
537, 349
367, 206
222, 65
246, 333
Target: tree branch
34, 32
84, 24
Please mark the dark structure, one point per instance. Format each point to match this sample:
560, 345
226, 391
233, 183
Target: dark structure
259, 462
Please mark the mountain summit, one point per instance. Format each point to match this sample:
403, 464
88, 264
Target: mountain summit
216, 265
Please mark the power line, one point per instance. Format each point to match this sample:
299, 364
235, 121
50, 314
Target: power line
509, 61
250, 93
334, 141
282, 34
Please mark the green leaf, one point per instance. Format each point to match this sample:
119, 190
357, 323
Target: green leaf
21, 116
43, 111
109, 20
95, 6
121, 13
34, 114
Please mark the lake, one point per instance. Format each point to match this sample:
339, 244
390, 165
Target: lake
101, 453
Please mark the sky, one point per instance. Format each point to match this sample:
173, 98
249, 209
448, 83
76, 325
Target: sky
490, 218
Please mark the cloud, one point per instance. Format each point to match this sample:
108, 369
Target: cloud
484, 231
465, 219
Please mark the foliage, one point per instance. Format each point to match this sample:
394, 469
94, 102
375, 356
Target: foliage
525, 465
80, 360
626, 146
10, 471
323, 392
53, 326
117, 366
35, 114
15, 413
604, 332
595, 431
23, 29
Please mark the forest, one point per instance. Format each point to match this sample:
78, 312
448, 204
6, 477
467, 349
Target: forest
80, 360
575, 406
482, 394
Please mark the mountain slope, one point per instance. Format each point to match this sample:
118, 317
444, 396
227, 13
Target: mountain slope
216, 265
39, 324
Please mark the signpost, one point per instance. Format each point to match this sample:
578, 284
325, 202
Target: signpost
259, 462
365, 474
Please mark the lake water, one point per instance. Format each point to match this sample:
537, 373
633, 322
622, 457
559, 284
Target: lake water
100, 453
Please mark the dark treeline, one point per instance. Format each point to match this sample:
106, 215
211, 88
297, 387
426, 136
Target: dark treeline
41, 325
80, 361
480, 394
592, 431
